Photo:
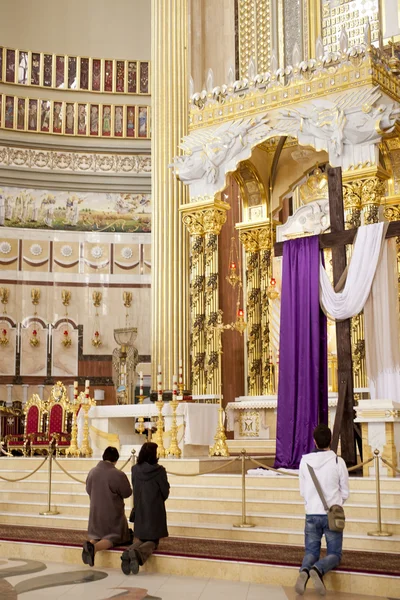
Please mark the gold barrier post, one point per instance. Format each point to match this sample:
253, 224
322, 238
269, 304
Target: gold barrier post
244, 523
379, 532
50, 512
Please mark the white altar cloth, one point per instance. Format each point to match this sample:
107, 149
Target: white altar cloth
199, 422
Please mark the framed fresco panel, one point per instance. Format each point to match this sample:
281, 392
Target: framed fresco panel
35, 68
96, 74
72, 72
70, 118
48, 70
130, 121
143, 125
33, 115
106, 120
118, 121
120, 76
82, 119
60, 71
23, 61
45, 116
132, 77
10, 66
57, 117
94, 119
108, 75
84, 74
9, 112
144, 77
21, 114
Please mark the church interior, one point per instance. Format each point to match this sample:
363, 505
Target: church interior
216, 135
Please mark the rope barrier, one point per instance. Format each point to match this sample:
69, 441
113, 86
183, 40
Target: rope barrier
388, 464
361, 464
26, 476
205, 472
256, 462
69, 474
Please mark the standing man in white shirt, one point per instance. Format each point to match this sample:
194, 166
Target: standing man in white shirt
332, 474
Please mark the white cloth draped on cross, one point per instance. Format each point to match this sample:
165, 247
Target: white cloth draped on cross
371, 284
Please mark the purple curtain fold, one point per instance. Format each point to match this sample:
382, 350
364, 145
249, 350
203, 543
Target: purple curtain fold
303, 370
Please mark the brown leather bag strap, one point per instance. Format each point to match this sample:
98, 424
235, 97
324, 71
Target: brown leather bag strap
318, 487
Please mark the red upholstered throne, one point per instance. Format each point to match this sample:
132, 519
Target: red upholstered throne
33, 410
56, 434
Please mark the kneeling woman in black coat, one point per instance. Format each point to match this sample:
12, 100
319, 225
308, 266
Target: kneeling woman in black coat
150, 491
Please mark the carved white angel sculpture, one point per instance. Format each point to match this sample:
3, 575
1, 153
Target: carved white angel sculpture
328, 125
206, 150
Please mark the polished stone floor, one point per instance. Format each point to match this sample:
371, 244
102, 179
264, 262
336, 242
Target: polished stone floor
36, 580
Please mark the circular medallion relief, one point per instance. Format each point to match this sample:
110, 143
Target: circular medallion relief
96, 252
126, 252
5, 247
36, 249
66, 251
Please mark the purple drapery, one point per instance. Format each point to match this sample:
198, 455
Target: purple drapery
303, 372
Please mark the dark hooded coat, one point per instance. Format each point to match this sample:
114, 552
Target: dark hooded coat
107, 488
150, 491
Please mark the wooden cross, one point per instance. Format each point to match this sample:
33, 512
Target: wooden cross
337, 240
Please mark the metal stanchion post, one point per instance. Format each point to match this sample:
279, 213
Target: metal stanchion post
50, 512
379, 532
244, 523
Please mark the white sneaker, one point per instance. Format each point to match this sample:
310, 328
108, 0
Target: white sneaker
301, 582
317, 580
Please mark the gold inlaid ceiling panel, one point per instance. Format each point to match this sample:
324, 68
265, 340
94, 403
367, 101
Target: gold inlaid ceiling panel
254, 34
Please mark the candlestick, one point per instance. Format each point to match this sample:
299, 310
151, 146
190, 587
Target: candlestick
141, 383
159, 370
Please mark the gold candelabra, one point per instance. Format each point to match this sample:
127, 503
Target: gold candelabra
220, 448
159, 434
141, 427
35, 297
174, 449
96, 339
87, 403
73, 449
66, 298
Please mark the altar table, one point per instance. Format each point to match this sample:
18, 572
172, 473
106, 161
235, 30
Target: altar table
115, 426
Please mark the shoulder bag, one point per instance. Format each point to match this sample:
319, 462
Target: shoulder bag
336, 516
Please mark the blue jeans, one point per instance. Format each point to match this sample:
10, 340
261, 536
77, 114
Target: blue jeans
316, 528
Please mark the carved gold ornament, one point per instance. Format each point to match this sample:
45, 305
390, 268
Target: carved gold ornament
66, 297
127, 299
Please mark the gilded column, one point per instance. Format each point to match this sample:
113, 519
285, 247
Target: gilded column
268, 379
204, 220
170, 241
256, 242
194, 224
214, 218
391, 212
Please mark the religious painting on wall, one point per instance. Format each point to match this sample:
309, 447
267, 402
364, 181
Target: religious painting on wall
10, 66
132, 77
9, 113
120, 80
94, 119
32, 115
21, 113
130, 121
144, 78
69, 118
60, 71
118, 121
82, 119
96, 74
143, 124
57, 117
23, 67
108, 75
35, 68
48, 70
106, 121
77, 211
45, 116
84, 74
71, 72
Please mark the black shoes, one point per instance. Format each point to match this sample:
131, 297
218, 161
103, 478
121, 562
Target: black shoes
302, 582
129, 563
317, 579
88, 554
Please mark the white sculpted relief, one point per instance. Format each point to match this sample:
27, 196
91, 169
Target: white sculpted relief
212, 153
340, 126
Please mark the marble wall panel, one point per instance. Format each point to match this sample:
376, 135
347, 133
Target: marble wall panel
7, 353
33, 359
64, 359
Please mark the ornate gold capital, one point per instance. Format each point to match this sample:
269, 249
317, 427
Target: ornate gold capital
204, 217
255, 238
